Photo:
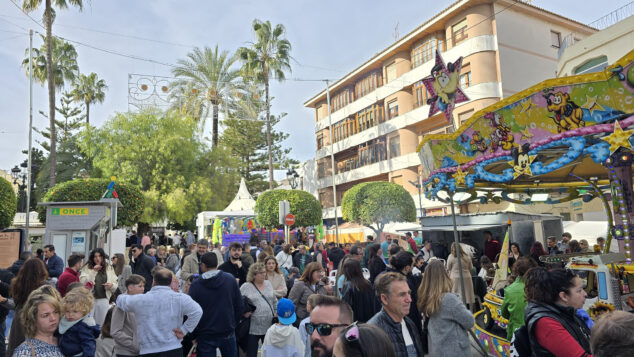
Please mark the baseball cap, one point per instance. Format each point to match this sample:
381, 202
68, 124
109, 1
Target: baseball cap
286, 311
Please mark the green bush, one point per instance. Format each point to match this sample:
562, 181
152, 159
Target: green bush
8, 203
304, 207
378, 203
92, 190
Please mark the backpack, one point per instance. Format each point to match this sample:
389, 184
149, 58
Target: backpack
520, 343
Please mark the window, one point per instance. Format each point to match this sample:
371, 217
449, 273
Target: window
462, 117
320, 141
459, 31
321, 170
420, 94
341, 99
395, 147
390, 72
368, 84
555, 39
593, 65
370, 116
426, 50
465, 79
392, 109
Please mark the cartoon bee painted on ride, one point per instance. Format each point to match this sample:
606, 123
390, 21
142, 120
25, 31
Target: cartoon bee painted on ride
501, 135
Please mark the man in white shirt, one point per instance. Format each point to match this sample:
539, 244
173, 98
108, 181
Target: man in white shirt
427, 252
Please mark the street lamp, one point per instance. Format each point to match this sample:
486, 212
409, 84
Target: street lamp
292, 176
15, 173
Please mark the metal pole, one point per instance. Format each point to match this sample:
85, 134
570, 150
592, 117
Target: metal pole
332, 163
28, 169
420, 203
457, 243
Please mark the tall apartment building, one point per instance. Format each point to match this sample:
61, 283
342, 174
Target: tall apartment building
379, 110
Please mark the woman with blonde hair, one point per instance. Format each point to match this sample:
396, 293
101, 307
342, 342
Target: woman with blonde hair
260, 292
447, 318
40, 317
274, 275
454, 273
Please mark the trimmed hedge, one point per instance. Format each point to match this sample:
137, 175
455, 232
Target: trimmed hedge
91, 190
8, 203
304, 207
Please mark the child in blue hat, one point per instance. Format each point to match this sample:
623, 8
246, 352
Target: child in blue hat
282, 339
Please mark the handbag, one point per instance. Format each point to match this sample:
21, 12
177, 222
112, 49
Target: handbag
192, 352
274, 320
425, 335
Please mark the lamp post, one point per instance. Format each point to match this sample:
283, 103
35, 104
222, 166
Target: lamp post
20, 180
292, 176
419, 186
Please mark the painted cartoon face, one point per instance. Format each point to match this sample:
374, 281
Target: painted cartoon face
523, 161
557, 99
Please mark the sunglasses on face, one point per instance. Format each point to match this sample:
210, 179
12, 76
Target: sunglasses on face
322, 329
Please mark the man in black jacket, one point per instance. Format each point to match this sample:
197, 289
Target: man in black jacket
335, 254
394, 293
235, 266
142, 265
219, 296
24, 256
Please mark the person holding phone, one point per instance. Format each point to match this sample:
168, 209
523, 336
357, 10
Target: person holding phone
99, 275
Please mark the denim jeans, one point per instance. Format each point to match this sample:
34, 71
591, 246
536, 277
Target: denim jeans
207, 347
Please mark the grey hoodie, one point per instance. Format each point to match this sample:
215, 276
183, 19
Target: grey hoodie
123, 331
282, 341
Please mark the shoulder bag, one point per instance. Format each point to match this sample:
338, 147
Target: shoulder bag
274, 320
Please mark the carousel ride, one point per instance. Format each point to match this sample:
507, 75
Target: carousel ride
563, 139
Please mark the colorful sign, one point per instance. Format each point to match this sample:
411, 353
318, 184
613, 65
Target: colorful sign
443, 85
585, 115
69, 211
289, 219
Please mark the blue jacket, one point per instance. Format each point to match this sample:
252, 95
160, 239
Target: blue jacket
55, 266
218, 294
78, 337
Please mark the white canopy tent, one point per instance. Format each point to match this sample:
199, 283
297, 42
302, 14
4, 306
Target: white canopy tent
243, 205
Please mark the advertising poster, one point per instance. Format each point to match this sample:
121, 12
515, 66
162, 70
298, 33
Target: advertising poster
9, 248
78, 243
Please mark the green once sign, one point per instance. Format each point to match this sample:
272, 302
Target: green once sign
69, 211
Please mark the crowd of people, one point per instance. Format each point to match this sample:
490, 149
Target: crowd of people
398, 297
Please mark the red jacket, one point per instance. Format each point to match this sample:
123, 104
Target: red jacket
68, 276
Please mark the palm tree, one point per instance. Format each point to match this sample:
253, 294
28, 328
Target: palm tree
267, 58
207, 72
65, 66
32, 5
88, 89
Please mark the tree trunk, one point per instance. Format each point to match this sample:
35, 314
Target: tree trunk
268, 132
214, 126
51, 92
87, 114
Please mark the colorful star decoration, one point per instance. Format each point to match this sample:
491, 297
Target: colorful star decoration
459, 176
443, 86
591, 104
619, 138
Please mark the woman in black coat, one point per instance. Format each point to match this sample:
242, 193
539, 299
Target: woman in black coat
376, 263
358, 292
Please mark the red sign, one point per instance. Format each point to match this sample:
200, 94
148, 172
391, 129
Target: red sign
289, 219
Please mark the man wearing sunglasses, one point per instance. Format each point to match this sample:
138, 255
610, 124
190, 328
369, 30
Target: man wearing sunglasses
395, 295
329, 316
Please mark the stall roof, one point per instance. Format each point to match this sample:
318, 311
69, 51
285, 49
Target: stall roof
461, 228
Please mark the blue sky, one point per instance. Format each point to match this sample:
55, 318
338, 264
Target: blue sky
329, 39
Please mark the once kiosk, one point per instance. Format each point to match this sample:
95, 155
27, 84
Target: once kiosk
79, 227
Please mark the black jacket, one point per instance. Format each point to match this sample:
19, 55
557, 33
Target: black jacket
565, 316
220, 299
15, 267
395, 333
143, 266
363, 303
377, 266
238, 273
55, 266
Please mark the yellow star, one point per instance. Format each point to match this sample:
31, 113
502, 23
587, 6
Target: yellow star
459, 176
619, 138
591, 104
519, 170
526, 134
526, 105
